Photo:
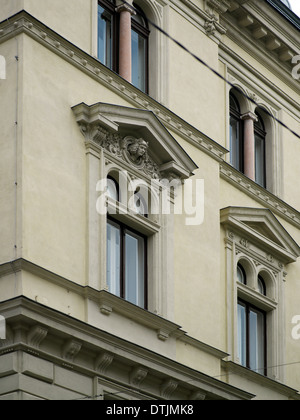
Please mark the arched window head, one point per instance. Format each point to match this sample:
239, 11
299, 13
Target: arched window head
140, 204
261, 286
112, 189
241, 274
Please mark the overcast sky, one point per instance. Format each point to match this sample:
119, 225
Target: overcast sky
296, 6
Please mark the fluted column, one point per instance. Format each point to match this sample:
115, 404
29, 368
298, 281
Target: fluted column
125, 41
249, 144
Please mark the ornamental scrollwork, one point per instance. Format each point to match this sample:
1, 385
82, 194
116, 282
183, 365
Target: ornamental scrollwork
132, 150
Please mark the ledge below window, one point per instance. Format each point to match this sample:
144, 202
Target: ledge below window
109, 303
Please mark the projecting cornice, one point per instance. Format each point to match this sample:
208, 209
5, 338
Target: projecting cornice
260, 194
258, 28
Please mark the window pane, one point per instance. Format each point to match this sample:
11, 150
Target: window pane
112, 189
257, 341
105, 37
138, 60
261, 286
241, 275
135, 269
113, 258
242, 334
235, 151
260, 161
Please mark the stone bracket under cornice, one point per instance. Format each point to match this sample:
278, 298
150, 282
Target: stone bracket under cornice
265, 30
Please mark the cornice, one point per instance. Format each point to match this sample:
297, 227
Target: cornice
260, 194
109, 303
261, 32
70, 337
23, 22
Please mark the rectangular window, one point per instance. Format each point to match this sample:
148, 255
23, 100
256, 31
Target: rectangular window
236, 149
105, 39
252, 346
127, 264
139, 60
260, 159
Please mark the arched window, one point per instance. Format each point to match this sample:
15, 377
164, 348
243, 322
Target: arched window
241, 274
140, 47
113, 190
140, 204
236, 134
260, 151
261, 286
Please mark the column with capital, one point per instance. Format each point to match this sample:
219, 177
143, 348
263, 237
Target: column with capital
249, 144
125, 60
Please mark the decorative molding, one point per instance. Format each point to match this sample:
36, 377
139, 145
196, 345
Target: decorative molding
163, 328
220, 6
70, 349
252, 26
168, 388
103, 362
260, 194
36, 335
262, 229
138, 375
102, 125
166, 371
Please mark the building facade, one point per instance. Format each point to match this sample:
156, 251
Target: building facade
149, 200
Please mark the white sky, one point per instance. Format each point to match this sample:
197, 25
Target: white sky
295, 6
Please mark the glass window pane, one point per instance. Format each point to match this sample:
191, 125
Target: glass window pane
235, 151
138, 60
241, 275
135, 269
257, 341
261, 285
105, 31
113, 265
112, 189
242, 334
260, 161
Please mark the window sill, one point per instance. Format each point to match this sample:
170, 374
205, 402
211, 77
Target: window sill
235, 369
110, 303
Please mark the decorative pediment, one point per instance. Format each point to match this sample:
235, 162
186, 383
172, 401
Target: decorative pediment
261, 227
136, 137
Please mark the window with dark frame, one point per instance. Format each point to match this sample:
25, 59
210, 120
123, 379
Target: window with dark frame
236, 135
252, 329
108, 42
252, 337
127, 263
107, 34
140, 50
260, 151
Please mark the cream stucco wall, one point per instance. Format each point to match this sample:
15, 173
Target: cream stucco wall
44, 216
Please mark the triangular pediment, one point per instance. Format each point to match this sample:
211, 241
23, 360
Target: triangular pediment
264, 230
261, 227
121, 130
